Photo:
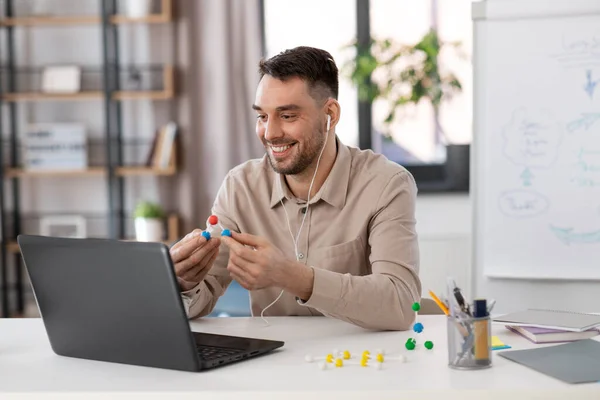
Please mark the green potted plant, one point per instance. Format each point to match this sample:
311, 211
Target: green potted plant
149, 222
403, 75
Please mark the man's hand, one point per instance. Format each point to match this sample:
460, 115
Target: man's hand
254, 262
193, 256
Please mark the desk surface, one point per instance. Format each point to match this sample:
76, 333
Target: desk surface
27, 364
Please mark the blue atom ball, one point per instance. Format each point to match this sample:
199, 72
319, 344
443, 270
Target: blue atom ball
206, 234
226, 232
418, 327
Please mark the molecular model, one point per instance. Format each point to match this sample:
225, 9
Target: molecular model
211, 228
338, 359
418, 327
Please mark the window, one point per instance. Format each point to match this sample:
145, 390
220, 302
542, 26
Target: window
326, 24
414, 137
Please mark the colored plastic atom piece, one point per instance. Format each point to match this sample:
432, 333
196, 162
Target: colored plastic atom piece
429, 345
418, 327
416, 306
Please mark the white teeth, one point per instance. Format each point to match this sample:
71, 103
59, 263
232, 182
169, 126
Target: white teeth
280, 148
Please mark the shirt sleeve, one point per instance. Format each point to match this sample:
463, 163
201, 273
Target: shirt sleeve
201, 300
383, 299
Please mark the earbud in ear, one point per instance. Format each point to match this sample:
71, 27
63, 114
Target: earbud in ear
328, 122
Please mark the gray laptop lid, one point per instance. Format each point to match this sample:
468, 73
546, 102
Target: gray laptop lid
110, 300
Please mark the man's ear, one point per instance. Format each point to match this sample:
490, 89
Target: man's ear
333, 110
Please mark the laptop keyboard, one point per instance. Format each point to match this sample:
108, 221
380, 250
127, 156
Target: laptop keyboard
212, 353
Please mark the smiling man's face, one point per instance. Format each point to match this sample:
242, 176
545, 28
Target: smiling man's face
290, 124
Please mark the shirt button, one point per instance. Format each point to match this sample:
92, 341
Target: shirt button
301, 256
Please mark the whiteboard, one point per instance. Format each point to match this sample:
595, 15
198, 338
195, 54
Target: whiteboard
536, 145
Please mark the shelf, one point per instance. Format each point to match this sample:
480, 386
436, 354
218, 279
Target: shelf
13, 247
83, 20
50, 21
92, 171
173, 235
164, 17
19, 172
32, 96
137, 171
167, 92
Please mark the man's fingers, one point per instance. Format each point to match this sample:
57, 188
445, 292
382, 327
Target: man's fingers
198, 268
239, 275
248, 239
193, 234
192, 246
202, 271
197, 256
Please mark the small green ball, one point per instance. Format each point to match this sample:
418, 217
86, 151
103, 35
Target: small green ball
410, 345
416, 306
429, 345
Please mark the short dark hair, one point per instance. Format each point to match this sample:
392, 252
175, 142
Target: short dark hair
314, 66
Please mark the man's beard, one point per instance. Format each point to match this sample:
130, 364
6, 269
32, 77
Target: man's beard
301, 161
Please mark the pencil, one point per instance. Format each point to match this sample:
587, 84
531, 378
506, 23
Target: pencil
438, 302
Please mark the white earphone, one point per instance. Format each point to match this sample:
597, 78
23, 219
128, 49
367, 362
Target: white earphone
295, 239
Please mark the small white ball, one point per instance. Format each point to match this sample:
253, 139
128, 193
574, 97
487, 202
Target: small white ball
309, 358
380, 351
322, 366
336, 352
379, 366
402, 358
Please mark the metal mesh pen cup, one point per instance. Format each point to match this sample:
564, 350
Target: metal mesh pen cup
469, 343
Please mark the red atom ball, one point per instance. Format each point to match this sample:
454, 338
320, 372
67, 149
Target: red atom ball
213, 220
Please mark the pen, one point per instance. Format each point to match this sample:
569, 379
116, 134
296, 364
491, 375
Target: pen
439, 302
491, 306
461, 301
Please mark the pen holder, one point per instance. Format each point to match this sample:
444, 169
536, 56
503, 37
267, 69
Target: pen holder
469, 343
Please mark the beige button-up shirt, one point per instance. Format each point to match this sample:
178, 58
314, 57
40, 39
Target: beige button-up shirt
359, 237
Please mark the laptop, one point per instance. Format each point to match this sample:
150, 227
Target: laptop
118, 301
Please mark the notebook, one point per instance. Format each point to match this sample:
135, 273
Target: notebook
552, 319
545, 335
575, 362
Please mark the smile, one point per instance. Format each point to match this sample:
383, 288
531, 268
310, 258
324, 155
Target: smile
280, 149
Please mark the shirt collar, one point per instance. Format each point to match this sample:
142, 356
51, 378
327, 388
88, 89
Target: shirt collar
334, 188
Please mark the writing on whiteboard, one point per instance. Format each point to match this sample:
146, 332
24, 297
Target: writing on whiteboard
585, 121
590, 84
579, 51
568, 236
587, 169
532, 140
522, 203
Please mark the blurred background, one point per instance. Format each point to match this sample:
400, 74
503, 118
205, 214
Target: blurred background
120, 118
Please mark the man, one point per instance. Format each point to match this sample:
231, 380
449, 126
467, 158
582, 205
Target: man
325, 229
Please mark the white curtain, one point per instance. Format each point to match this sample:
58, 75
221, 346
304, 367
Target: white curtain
220, 56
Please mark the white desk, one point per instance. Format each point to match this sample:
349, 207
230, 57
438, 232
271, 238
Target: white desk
27, 364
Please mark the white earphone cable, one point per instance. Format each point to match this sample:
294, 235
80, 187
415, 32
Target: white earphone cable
295, 240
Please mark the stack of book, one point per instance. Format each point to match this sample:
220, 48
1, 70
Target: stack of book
552, 326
